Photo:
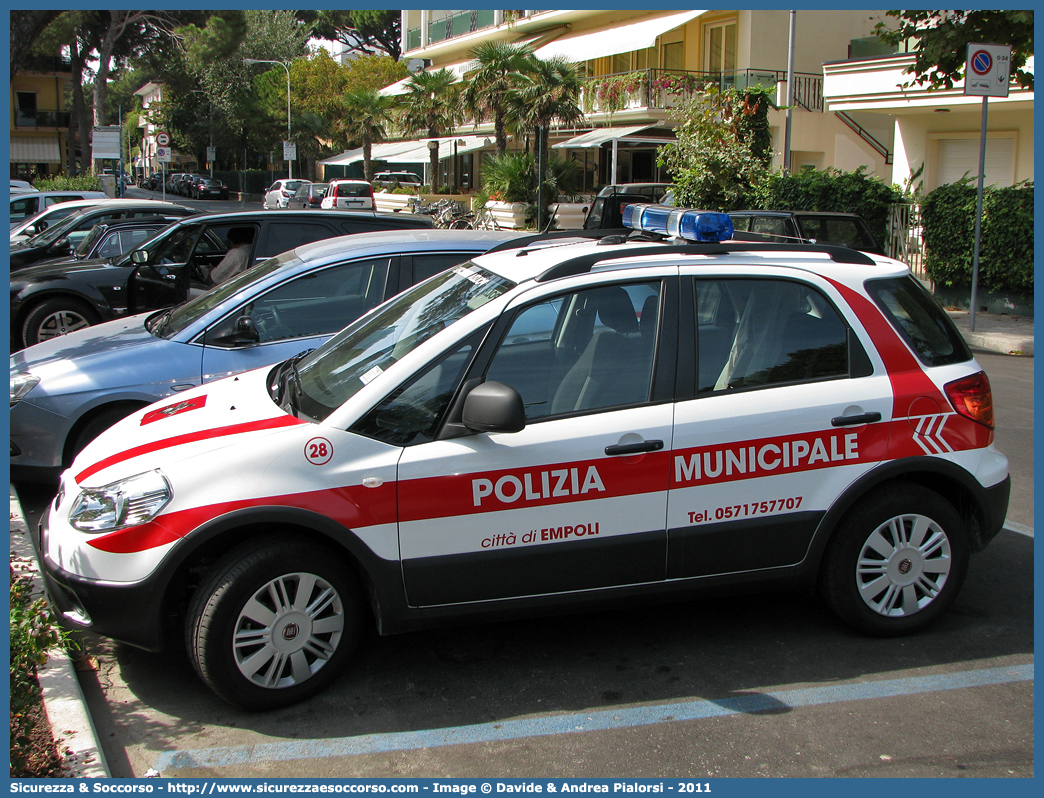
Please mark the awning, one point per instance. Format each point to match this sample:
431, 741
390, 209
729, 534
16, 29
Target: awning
35, 149
415, 151
598, 137
621, 39
459, 70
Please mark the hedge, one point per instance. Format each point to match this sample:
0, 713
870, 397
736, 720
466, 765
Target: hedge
1006, 246
831, 190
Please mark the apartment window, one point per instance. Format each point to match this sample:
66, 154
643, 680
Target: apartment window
958, 155
645, 58
673, 55
720, 46
621, 63
26, 109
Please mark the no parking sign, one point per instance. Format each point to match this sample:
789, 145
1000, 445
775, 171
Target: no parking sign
987, 71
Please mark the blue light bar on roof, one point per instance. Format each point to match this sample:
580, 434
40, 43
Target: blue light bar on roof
685, 223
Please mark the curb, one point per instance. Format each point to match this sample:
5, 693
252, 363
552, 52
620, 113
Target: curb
63, 699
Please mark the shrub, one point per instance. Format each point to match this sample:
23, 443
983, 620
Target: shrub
64, 183
1006, 246
508, 177
831, 190
33, 634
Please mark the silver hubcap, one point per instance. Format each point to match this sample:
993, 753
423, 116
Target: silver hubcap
288, 630
903, 565
61, 322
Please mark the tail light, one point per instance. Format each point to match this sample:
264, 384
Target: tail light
972, 397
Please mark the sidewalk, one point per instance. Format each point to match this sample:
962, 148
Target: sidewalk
1008, 335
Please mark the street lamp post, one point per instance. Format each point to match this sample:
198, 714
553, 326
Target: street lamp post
285, 66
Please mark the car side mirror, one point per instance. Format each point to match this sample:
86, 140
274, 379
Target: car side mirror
139, 256
246, 332
494, 407
62, 245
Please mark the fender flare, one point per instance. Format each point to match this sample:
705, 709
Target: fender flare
924, 470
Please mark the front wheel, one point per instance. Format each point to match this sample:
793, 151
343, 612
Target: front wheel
274, 624
896, 561
56, 317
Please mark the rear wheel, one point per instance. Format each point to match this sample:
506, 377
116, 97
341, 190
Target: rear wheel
274, 624
56, 317
896, 561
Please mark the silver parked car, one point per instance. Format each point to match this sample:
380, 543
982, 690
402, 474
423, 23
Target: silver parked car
66, 391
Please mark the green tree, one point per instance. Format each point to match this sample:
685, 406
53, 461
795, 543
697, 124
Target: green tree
359, 30
486, 89
546, 91
431, 107
367, 116
941, 41
723, 148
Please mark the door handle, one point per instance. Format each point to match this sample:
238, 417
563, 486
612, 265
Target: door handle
634, 448
852, 421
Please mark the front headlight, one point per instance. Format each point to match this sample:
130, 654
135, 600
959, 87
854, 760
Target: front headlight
21, 384
129, 502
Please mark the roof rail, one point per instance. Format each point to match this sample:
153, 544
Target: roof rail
584, 263
525, 241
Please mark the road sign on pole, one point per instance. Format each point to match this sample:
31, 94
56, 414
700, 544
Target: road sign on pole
162, 138
987, 71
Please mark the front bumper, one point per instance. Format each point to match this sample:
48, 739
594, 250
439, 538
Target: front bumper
130, 612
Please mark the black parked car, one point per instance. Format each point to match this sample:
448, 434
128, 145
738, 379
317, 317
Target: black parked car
309, 195
805, 227
163, 270
203, 187
59, 240
112, 239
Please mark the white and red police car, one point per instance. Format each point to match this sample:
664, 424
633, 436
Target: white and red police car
548, 424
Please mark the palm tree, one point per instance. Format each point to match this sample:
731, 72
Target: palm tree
486, 88
366, 116
431, 106
546, 91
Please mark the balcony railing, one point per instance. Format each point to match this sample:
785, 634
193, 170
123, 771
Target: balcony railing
459, 24
46, 64
37, 119
660, 89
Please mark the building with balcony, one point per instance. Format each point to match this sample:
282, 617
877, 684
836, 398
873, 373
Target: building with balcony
935, 132
151, 96
39, 119
637, 64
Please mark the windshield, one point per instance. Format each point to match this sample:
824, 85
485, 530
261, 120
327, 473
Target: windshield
361, 352
90, 240
56, 231
171, 322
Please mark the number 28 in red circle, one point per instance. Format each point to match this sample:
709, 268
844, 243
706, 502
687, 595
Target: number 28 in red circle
318, 451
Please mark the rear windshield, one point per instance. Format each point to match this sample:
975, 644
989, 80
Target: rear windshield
919, 320
352, 190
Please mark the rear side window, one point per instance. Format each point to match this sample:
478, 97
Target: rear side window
919, 320
284, 236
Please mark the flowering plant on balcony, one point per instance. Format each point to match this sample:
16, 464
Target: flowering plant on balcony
613, 92
678, 84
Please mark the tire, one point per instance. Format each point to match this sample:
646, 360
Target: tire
55, 317
280, 657
896, 561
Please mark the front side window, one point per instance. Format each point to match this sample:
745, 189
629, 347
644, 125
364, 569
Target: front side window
319, 303
582, 352
757, 333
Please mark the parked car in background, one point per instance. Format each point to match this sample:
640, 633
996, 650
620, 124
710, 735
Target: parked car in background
813, 227
308, 196
203, 187
61, 239
49, 216
21, 185
30, 203
281, 307
606, 211
155, 181
348, 195
48, 301
173, 178
393, 179
280, 192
